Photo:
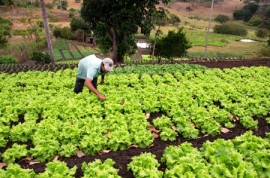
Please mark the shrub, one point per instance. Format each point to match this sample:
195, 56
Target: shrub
72, 12
40, 57
164, 47
265, 51
57, 32
255, 20
6, 59
6, 26
174, 19
78, 23
261, 33
49, 5
189, 8
221, 18
238, 14
231, 29
66, 33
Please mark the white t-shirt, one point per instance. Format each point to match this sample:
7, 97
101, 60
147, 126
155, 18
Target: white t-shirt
89, 67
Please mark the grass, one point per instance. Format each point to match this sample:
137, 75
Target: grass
60, 44
57, 55
67, 54
76, 54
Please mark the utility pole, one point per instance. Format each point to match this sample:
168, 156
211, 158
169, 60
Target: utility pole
46, 26
209, 25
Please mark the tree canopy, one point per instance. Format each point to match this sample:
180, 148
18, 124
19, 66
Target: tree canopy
116, 21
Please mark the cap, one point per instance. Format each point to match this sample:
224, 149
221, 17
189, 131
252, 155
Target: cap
108, 64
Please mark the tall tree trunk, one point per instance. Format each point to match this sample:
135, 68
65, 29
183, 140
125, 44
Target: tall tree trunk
115, 49
46, 26
155, 41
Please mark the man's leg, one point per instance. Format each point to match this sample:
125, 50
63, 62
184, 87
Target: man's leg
79, 85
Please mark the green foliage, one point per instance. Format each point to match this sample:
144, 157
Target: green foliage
78, 23
57, 32
230, 29
64, 32
6, 59
145, 165
57, 169
255, 20
115, 22
261, 33
265, 51
174, 19
72, 12
99, 169
164, 47
5, 29
221, 18
15, 152
40, 57
63, 4
14, 170
246, 12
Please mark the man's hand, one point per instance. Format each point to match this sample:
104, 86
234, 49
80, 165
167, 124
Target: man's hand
101, 97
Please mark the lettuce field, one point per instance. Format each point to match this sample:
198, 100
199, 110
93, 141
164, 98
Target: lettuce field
169, 120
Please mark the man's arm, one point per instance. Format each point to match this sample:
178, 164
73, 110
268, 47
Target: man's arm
102, 79
90, 86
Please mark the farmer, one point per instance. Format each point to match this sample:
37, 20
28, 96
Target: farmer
88, 70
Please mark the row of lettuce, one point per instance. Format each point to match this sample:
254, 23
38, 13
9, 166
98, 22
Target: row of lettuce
41, 108
244, 156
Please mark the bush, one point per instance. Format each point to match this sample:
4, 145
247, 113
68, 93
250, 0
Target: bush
174, 19
66, 33
261, 33
164, 47
8, 59
221, 18
189, 8
49, 5
6, 26
78, 23
231, 29
265, 51
238, 14
62, 33
40, 57
255, 20
57, 32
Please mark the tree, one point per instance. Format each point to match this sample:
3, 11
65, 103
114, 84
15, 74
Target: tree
115, 22
46, 26
175, 44
159, 17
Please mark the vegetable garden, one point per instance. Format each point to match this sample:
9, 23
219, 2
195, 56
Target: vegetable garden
170, 120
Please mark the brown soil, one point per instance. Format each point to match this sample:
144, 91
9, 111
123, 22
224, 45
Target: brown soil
122, 158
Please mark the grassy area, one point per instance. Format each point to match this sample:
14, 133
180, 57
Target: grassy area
57, 55
67, 54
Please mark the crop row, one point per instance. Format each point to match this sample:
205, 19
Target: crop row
41, 108
244, 156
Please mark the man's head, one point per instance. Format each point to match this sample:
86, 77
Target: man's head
108, 64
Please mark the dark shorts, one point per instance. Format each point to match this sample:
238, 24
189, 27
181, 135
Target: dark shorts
80, 83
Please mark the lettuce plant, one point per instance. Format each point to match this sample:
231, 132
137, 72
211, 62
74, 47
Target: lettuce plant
14, 170
57, 169
99, 169
145, 165
14, 153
